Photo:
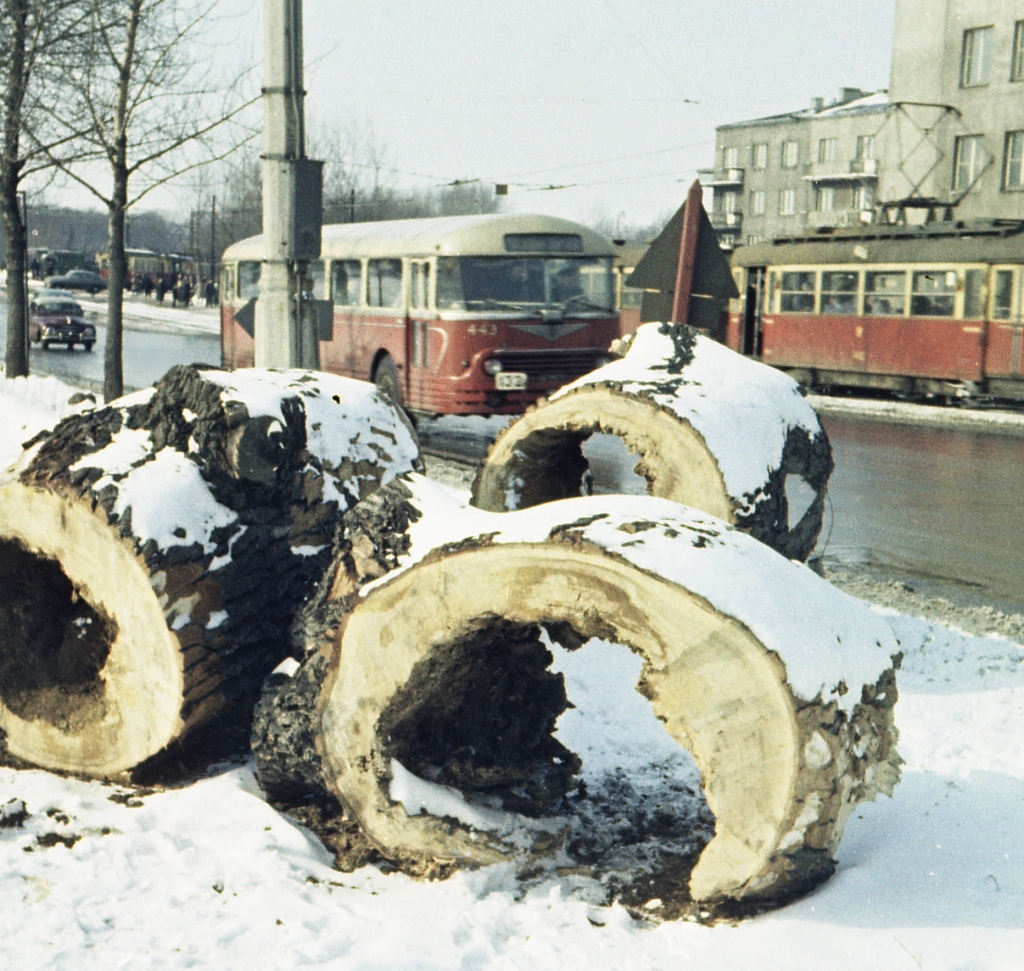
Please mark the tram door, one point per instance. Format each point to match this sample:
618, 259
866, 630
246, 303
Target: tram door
753, 314
1004, 351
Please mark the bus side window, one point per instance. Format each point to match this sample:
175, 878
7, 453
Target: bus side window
449, 294
346, 277
315, 272
1002, 298
227, 284
419, 285
384, 283
249, 280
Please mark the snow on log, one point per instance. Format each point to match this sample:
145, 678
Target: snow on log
153, 554
426, 671
713, 430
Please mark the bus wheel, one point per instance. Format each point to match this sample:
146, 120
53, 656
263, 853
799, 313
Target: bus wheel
385, 376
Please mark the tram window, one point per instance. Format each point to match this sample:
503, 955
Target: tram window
797, 293
249, 280
315, 272
346, 277
838, 293
934, 293
972, 293
384, 283
884, 294
1002, 299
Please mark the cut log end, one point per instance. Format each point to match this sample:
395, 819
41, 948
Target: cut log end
540, 458
90, 674
428, 679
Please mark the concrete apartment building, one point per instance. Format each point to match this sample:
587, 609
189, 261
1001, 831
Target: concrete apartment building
945, 142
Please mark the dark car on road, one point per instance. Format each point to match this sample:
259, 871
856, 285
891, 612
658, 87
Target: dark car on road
55, 321
78, 280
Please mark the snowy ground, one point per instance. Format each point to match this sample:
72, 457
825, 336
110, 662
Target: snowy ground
209, 876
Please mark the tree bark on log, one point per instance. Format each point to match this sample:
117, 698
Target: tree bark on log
714, 430
153, 554
781, 687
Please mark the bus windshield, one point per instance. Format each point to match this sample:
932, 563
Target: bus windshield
575, 284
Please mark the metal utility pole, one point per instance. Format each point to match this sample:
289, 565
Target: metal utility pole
286, 326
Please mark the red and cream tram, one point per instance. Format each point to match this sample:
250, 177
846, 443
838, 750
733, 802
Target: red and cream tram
458, 315
933, 309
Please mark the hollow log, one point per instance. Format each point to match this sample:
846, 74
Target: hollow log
153, 554
422, 658
713, 430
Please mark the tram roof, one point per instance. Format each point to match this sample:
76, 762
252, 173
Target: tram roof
438, 236
982, 241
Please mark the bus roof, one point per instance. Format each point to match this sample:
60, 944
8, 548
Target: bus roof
438, 236
983, 241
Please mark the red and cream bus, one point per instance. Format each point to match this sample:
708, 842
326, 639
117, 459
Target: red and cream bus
454, 315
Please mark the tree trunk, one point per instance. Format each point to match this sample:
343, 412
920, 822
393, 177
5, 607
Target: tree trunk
712, 429
11, 163
153, 554
748, 659
113, 355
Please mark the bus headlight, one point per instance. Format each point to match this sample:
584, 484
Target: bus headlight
493, 366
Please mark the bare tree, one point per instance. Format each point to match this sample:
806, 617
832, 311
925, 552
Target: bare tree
37, 39
154, 112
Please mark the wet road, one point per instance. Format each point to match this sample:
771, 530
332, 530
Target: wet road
147, 355
941, 509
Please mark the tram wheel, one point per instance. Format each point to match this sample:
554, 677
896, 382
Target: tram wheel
385, 376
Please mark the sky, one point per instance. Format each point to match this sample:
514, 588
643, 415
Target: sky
618, 102
539, 92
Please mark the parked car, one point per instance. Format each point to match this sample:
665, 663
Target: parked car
78, 280
59, 321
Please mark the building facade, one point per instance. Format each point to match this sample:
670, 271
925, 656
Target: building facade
945, 142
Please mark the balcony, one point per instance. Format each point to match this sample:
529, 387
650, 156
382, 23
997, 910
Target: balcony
725, 178
857, 170
726, 220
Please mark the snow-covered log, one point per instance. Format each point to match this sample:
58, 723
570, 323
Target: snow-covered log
713, 430
425, 662
153, 554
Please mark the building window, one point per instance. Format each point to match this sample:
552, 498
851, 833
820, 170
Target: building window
1013, 164
1017, 65
968, 161
976, 66
826, 149
863, 197
729, 202
730, 157
787, 202
759, 202
790, 155
865, 147
826, 200
759, 156
728, 241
